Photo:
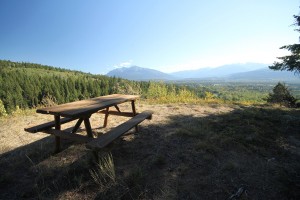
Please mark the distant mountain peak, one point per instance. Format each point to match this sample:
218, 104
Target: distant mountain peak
139, 73
224, 70
238, 72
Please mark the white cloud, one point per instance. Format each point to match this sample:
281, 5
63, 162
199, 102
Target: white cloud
124, 64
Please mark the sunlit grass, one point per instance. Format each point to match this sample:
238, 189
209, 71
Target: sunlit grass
104, 173
197, 100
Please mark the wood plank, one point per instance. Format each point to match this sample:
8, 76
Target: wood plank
45, 126
124, 114
88, 110
117, 108
57, 138
134, 113
106, 117
69, 107
88, 127
110, 136
77, 125
69, 136
84, 102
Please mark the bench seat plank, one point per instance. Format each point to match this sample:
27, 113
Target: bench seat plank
124, 114
69, 136
113, 134
48, 125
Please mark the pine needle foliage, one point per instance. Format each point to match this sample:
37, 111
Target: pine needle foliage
282, 96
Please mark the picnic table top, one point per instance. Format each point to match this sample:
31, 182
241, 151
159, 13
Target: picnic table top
88, 106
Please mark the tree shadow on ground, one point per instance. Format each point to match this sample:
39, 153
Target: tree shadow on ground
185, 157
16, 166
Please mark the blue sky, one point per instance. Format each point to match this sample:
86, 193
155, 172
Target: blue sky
97, 36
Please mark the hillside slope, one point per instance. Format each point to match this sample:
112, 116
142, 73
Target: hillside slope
27, 85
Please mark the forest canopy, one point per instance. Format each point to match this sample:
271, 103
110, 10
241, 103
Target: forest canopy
28, 85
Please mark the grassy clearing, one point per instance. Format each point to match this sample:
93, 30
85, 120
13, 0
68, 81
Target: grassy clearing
173, 99
187, 151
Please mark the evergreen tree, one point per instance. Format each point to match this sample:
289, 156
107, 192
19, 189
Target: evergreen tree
282, 96
291, 62
28, 85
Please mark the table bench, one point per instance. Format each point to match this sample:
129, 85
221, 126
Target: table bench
110, 136
82, 111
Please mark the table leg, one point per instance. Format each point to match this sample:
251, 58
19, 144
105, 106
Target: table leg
57, 138
134, 113
88, 127
106, 117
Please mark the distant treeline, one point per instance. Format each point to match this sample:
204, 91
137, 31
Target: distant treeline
28, 85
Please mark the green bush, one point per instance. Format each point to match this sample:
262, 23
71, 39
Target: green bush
2, 109
281, 95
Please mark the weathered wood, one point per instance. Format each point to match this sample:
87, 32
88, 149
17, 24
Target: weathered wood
113, 112
79, 111
88, 127
134, 113
71, 105
69, 136
57, 138
47, 125
86, 107
77, 125
106, 117
82, 110
110, 136
117, 108
133, 107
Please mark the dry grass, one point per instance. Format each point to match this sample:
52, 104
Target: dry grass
187, 151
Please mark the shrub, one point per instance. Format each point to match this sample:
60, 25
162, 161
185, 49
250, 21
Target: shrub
282, 96
2, 109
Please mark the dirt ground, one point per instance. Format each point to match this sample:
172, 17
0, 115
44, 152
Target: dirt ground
185, 152
12, 134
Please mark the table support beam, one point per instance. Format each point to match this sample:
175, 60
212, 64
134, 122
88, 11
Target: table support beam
134, 113
106, 117
117, 108
77, 125
88, 127
57, 138
89, 132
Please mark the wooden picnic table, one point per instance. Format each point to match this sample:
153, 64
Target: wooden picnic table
82, 111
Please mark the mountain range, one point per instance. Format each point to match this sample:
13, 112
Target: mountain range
139, 73
233, 72
220, 71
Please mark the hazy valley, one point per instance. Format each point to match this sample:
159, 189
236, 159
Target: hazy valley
235, 72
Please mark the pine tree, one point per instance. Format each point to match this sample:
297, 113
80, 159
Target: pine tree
291, 62
282, 96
